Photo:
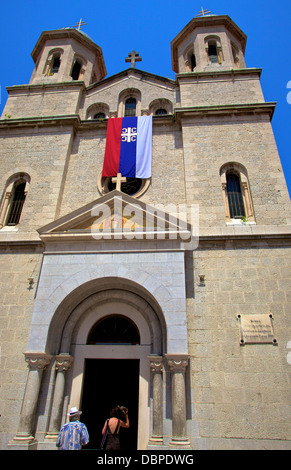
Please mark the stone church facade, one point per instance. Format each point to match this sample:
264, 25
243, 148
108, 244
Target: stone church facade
190, 327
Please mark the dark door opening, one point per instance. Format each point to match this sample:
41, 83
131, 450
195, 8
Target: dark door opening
107, 383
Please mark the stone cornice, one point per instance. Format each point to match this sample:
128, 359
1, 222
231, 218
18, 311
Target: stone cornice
218, 73
69, 120
41, 121
228, 109
208, 237
46, 86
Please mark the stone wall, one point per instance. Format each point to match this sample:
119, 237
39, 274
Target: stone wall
240, 395
210, 89
17, 299
42, 154
43, 100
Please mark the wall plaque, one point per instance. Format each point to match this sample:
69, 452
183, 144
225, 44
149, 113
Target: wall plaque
256, 329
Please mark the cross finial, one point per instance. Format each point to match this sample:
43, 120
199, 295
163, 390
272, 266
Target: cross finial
79, 24
203, 12
118, 180
133, 57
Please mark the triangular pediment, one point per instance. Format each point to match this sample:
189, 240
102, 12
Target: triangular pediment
132, 75
117, 216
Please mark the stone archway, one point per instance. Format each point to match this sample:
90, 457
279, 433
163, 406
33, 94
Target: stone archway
75, 335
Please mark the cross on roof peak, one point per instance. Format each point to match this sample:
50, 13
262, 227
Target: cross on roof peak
118, 179
133, 57
79, 24
203, 12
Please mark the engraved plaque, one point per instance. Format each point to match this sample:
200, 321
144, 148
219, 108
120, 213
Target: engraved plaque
256, 329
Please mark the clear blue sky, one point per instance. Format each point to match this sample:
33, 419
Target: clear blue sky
148, 26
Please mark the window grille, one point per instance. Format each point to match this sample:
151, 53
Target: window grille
114, 329
99, 116
16, 204
161, 111
130, 187
130, 107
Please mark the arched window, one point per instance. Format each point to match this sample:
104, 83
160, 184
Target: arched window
130, 107
160, 106
53, 61
133, 186
98, 111
13, 199
234, 194
214, 49
114, 329
76, 69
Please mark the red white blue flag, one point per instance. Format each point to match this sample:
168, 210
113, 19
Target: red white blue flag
129, 147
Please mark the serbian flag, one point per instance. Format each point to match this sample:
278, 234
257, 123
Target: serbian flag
129, 147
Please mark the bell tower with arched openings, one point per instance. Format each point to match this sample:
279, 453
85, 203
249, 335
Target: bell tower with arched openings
67, 54
209, 43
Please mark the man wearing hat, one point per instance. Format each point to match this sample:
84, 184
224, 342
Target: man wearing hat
73, 435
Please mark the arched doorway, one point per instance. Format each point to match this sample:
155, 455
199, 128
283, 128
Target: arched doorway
112, 334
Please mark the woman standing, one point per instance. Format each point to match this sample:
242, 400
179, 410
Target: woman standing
112, 426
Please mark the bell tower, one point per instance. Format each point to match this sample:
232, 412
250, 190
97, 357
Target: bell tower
209, 43
65, 55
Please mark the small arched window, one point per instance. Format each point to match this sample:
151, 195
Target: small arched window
76, 69
13, 199
214, 50
115, 329
234, 194
160, 111
53, 62
99, 116
130, 107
